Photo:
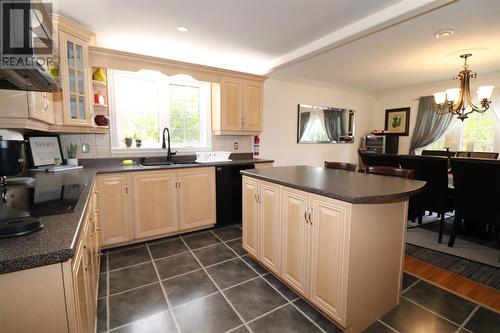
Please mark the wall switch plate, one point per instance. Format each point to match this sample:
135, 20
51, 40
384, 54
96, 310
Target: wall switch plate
85, 148
235, 146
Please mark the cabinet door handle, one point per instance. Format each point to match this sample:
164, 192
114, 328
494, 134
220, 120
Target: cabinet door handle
96, 192
310, 211
126, 189
305, 216
255, 197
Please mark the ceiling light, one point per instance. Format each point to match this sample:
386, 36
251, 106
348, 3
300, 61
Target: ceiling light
445, 33
460, 99
182, 29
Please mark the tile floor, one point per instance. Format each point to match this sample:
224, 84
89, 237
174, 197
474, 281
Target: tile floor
204, 282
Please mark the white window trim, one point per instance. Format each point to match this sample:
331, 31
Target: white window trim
117, 151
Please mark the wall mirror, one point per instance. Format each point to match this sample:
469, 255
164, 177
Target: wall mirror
320, 124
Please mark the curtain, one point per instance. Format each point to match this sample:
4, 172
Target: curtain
430, 126
334, 126
304, 120
495, 103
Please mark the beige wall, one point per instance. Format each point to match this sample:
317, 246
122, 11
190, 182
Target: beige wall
409, 97
279, 136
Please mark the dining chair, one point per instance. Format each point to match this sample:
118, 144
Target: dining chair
436, 196
340, 166
462, 154
377, 159
445, 153
477, 188
390, 171
480, 154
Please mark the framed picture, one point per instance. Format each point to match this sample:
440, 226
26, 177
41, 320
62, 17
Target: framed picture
44, 149
397, 121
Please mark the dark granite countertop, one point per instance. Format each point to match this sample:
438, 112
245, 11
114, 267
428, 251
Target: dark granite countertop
55, 242
352, 187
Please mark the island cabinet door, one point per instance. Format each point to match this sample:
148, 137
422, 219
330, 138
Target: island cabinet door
269, 196
113, 206
329, 256
155, 203
250, 216
196, 188
294, 239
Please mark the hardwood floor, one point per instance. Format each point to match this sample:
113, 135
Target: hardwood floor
471, 290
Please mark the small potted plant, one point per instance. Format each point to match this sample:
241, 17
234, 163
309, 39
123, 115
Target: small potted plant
138, 141
128, 141
72, 151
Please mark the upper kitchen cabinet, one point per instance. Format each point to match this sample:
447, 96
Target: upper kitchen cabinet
74, 71
236, 106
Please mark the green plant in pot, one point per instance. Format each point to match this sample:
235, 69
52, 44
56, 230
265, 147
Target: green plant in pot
128, 141
138, 141
72, 151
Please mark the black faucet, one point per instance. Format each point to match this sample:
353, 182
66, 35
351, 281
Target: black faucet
169, 152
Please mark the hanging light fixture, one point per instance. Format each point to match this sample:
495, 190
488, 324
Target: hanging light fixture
460, 98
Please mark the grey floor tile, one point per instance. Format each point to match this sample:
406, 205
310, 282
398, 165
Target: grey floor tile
157, 323
317, 317
101, 315
136, 304
128, 256
286, 319
188, 287
236, 246
377, 327
214, 254
229, 273
409, 317
200, 240
254, 298
228, 233
440, 301
167, 248
254, 264
211, 314
176, 265
131, 277
494, 282
102, 290
484, 321
241, 329
408, 280
282, 288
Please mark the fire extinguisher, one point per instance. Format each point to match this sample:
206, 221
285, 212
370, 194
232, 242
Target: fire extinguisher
256, 142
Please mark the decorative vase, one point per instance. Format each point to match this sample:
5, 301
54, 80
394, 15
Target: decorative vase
99, 75
72, 161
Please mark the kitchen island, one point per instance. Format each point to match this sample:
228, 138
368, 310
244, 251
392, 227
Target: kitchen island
336, 237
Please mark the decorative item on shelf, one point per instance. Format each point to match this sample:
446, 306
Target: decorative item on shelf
99, 99
101, 120
138, 143
460, 98
128, 141
72, 151
256, 144
397, 121
99, 75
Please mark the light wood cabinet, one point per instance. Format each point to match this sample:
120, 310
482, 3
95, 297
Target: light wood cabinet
196, 188
155, 203
250, 216
294, 239
114, 208
27, 104
75, 80
270, 226
237, 106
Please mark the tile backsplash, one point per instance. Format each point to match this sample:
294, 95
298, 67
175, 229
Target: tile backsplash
99, 144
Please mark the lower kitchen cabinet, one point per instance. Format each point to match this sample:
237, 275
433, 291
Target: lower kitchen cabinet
155, 203
147, 204
114, 208
328, 250
60, 297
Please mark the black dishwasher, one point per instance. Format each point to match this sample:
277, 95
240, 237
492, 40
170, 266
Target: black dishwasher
228, 190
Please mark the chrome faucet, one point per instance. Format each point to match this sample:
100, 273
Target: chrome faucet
169, 152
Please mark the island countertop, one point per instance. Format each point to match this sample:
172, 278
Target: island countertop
352, 187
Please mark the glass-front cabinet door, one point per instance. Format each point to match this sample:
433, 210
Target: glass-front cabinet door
75, 80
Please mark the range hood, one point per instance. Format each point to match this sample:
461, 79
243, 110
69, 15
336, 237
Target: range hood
33, 79
29, 39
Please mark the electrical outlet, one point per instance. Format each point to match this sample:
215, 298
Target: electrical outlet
235, 147
85, 148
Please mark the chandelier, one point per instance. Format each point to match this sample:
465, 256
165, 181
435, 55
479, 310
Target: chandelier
460, 98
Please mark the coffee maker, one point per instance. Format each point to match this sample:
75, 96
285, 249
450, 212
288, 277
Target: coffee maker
13, 220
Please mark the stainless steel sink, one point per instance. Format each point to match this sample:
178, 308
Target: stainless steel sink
152, 162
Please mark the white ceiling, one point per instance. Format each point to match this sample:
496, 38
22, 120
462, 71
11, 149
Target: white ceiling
408, 54
247, 35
